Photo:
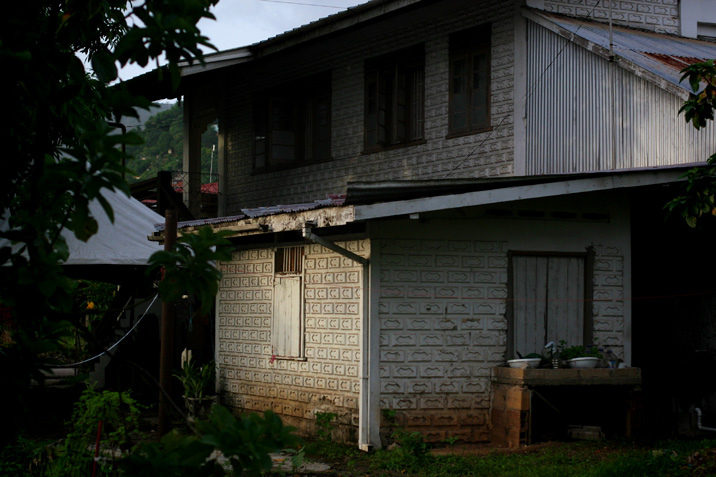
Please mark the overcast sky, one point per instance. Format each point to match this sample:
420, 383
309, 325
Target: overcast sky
244, 22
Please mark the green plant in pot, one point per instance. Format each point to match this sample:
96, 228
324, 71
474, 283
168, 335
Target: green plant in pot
199, 386
577, 353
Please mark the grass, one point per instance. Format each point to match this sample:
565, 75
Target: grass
555, 459
613, 458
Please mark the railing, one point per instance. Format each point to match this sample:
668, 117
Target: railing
209, 182
171, 190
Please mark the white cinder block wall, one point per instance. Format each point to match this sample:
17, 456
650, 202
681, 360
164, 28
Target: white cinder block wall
327, 379
443, 303
655, 15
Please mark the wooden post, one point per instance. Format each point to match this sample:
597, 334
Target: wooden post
167, 345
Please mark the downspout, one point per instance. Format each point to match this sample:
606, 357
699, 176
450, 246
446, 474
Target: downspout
698, 422
364, 422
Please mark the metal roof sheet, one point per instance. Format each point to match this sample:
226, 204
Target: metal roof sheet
332, 200
661, 54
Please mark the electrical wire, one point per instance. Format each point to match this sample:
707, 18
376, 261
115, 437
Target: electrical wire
305, 4
528, 94
72, 365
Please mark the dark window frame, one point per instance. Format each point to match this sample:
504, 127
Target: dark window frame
588, 292
394, 107
467, 48
292, 124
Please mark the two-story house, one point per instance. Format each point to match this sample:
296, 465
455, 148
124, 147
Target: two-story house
419, 190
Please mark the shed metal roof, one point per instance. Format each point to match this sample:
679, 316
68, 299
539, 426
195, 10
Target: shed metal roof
332, 200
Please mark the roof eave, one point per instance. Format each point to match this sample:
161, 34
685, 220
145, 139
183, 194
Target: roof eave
574, 185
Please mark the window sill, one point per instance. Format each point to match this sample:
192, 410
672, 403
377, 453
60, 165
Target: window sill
374, 149
289, 358
468, 133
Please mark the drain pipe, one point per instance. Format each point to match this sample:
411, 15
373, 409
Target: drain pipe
364, 409
698, 422
307, 233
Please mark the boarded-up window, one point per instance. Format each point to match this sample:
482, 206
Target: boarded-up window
548, 301
287, 325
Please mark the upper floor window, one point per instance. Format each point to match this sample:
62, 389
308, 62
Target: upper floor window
470, 80
394, 98
292, 124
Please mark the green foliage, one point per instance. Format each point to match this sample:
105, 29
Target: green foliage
26, 457
390, 415
324, 422
410, 453
162, 150
189, 268
119, 414
24, 359
246, 442
198, 381
61, 150
700, 107
697, 200
95, 297
578, 351
578, 459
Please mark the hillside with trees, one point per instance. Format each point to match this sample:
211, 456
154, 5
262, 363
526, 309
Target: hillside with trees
162, 149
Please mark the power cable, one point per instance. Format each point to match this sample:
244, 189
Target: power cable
528, 94
73, 365
305, 4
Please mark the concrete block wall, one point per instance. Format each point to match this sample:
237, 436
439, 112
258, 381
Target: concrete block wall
326, 380
655, 15
443, 327
609, 308
485, 154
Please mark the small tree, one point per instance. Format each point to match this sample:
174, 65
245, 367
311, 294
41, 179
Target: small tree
61, 149
698, 197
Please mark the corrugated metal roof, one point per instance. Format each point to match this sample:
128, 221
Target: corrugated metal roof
661, 54
332, 200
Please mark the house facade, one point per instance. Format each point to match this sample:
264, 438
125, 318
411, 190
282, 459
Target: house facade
480, 160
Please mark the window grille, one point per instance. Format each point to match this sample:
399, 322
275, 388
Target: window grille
289, 260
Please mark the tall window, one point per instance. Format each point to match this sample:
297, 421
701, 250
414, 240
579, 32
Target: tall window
292, 124
470, 80
287, 326
394, 98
